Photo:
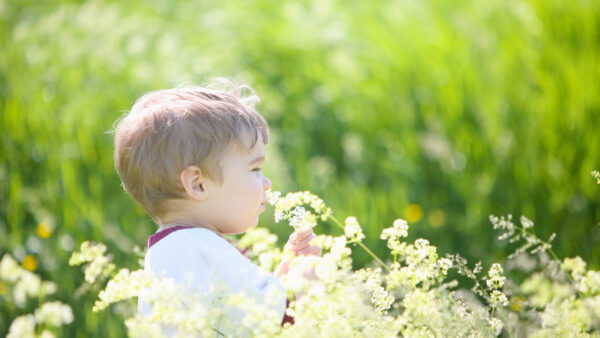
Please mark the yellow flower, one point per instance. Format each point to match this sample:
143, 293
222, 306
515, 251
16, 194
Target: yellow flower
44, 229
30, 263
413, 213
436, 218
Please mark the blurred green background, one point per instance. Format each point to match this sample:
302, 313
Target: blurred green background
440, 112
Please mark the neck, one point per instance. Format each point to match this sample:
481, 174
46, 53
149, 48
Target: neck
182, 214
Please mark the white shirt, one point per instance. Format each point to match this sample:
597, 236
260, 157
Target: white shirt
203, 258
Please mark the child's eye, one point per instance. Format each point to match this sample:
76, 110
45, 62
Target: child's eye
257, 169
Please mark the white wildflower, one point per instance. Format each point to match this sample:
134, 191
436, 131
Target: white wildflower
22, 327
54, 313
338, 249
274, 196
497, 297
124, 285
575, 265
96, 268
566, 317
88, 252
10, 270
300, 219
421, 252
526, 223
284, 205
401, 226
399, 229
98, 264
505, 224
444, 264
48, 288
495, 279
28, 286
596, 175
326, 269
590, 283
352, 230
47, 334
496, 325
379, 296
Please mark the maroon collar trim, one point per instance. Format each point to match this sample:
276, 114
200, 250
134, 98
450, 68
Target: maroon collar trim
163, 233
153, 239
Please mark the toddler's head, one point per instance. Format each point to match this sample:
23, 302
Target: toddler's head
192, 135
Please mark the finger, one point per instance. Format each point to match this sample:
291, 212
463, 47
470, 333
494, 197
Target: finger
299, 236
305, 242
301, 245
311, 250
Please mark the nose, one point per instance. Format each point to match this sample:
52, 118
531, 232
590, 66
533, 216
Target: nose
266, 183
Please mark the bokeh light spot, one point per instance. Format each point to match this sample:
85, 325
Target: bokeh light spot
436, 218
44, 229
413, 213
30, 263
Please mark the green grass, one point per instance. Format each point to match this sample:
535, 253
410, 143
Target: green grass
469, 107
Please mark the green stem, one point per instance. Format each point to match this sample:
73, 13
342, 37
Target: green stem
524, 231
362, 245
219, 332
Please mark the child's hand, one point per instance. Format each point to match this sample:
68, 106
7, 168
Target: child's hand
299, 244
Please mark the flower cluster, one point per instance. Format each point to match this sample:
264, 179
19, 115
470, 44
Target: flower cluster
514, 233
563, 297
97, 264
596, 175
495, 282
353, 231
587, 282
126, 284
381, 299
409, 296
287, 208
261, 245
53, 314
26, 285
301, 219
398, 230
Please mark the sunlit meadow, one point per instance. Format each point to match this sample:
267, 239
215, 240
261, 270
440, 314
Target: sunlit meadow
414, 120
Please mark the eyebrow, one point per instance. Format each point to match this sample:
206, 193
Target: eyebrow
257, 159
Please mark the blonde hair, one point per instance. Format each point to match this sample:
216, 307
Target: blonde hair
168, 130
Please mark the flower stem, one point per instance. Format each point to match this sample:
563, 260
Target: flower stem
552, 253
362, 245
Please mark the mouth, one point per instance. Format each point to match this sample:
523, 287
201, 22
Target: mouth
263, 205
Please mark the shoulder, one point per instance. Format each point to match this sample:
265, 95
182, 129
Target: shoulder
192, 238
195, 249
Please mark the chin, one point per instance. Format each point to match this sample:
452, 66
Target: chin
253, 226
244, 230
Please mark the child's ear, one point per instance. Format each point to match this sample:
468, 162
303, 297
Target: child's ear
192, 180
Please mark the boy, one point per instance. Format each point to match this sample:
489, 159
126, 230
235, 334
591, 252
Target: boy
192, 158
